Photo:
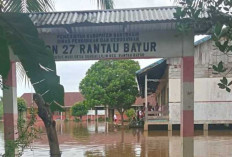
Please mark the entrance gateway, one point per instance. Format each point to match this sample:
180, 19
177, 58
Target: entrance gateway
117, 34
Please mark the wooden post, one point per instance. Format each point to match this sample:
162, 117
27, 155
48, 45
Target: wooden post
10, 110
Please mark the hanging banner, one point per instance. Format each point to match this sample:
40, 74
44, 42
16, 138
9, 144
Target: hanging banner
97, 46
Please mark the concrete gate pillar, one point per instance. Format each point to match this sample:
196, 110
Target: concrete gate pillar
187, 98
10, 108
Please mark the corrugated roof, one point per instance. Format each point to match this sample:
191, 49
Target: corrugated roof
202, 40
147, 68
156, 14
153, 71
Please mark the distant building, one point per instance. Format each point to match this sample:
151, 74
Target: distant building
70, 98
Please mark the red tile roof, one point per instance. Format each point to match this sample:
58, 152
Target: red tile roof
69, 98
28, 97
151, 99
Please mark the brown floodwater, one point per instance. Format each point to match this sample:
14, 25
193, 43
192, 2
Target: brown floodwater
102, 139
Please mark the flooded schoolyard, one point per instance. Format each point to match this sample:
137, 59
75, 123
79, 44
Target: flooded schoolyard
101, 139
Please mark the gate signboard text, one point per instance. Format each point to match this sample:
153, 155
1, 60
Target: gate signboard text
97, 46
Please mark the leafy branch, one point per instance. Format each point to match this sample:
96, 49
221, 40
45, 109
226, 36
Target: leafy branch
218, 14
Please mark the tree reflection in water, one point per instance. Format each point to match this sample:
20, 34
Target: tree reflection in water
122, 147
80, 131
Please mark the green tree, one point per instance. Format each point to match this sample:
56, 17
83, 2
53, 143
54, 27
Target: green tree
219, 19
79, 109
111, 82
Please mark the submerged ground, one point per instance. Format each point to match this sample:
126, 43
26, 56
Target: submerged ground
92, 139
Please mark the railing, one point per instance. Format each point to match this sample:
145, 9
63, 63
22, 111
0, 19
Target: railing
165, 110
162, 113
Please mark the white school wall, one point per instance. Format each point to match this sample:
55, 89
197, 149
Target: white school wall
211, 104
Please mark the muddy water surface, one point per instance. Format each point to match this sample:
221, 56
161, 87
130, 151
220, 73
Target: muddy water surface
97, 140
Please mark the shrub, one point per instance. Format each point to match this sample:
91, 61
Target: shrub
76, 119
22, 106
130, 113
79, 110
101, 119
108, 119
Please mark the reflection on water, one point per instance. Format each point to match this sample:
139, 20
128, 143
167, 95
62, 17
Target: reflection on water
92, 139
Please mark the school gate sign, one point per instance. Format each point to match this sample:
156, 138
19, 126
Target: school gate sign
115, 34
97, 46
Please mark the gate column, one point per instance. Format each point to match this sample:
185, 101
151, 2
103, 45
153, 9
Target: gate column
187, 98
10, 109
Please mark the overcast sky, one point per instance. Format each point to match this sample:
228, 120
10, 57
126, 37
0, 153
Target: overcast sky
71, 73
64, 5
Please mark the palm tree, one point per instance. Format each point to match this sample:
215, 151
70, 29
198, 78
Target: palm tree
18, 32
41, 5
26, 5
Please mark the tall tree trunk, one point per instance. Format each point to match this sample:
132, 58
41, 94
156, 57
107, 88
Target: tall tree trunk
111, 114
45, 114
122, 119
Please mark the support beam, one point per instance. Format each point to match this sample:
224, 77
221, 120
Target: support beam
205, 127
187, 106
170, 127
146, 110
145, 128
187, 95
145, 92
10, 109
